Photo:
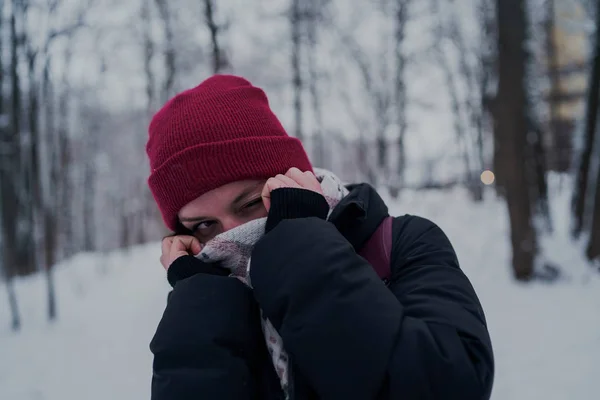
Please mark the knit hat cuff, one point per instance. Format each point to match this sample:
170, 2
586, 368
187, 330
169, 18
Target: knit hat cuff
175, 183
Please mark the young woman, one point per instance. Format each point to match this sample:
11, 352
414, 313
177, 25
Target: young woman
270, 299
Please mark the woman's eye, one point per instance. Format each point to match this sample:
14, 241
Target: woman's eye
203, 225
254, 203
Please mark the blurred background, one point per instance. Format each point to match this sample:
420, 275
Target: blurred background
482, 115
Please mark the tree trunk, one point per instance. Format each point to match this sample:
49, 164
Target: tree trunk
486, 73
41, 196
593, 248
539, 170
581, 197
312, 25
14, 308
488, 78
218, 58
65, 190
148, 46
53, 177
89, 194
464, 109
49, 261
170, 61
8, 200
460, 125
511, 129
33, 200
15, 168
295, 25
7, 262
144, 213
401, 18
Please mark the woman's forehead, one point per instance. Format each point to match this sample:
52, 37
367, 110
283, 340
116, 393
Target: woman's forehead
220, 199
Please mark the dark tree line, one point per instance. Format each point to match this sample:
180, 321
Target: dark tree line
66, 190
525, 149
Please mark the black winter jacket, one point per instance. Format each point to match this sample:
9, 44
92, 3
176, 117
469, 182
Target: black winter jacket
348, 335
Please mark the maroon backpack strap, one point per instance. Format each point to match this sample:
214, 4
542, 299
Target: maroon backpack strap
378, 249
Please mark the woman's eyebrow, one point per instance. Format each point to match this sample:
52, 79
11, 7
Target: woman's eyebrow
193, 219
245, 193
239, 198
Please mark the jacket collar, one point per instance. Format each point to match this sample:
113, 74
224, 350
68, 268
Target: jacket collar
358, 214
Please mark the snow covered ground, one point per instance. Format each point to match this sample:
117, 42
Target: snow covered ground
546, 336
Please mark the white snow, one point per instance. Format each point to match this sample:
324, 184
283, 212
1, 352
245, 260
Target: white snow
546, 337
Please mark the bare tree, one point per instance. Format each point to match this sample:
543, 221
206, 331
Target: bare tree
487, 72
314, 19
295, 16
468, 112
592, 131
375, 77
10, 160
400, 95
23, 257
584, 192
169, 52
48, 207
47, 151
218, 56
364, 169
592, 251
144, 212
148, 50
511, 130
6, 148
593, 247
553, 74
65, 188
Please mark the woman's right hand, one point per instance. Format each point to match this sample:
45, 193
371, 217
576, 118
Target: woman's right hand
174, 247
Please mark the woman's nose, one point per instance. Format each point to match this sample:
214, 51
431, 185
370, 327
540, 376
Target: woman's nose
231, 222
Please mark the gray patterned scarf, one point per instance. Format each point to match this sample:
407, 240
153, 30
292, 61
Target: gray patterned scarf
233, 249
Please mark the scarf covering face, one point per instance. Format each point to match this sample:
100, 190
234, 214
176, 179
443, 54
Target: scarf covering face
232, 249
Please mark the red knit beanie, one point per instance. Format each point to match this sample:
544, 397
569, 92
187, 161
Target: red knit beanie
219, 132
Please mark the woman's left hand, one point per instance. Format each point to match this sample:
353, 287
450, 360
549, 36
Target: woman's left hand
293, 178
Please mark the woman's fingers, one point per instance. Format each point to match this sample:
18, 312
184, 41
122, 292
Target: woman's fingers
177, 246
316, 185
294, 178
196, 247
270, 185
288, 181
166, 244
185, 243
165, 251
306, 180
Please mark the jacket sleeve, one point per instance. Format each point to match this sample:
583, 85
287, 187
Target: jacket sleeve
205, 345
352, 337
443, 334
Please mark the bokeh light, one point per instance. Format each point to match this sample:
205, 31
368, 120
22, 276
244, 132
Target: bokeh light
487, 177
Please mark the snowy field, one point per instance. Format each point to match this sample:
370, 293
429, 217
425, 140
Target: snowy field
546, 337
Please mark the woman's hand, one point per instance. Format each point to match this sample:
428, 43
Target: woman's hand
294, 178
174, 247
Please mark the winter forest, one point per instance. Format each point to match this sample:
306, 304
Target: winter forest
483, 115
